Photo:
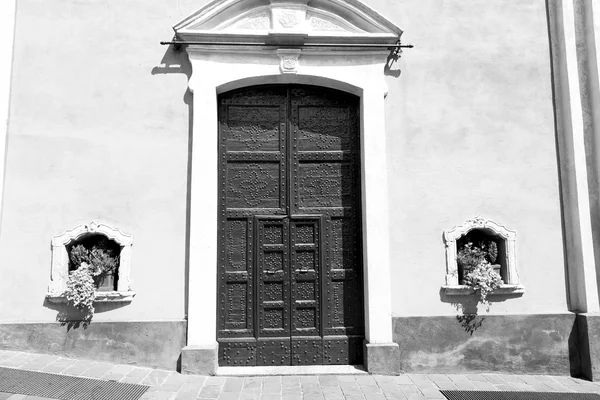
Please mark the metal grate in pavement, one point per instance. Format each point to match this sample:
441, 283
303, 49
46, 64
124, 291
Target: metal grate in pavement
66, 387
489, 395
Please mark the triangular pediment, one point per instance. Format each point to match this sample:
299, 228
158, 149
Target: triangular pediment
238, 20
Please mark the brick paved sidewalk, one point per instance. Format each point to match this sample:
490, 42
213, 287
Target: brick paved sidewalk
169, 385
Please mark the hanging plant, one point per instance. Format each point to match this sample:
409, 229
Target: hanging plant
479, 274
91, 262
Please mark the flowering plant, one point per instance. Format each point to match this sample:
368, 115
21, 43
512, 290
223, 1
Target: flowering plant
81, 290
484, 280
90, 263
476, 261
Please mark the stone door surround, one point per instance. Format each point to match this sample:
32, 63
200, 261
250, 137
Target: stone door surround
295, 24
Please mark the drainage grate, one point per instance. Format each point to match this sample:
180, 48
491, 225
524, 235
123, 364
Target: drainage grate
64, 387
485, 395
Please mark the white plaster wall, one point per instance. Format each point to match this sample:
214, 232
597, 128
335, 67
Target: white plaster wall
470, 132
95, 135
98, 132
7, 28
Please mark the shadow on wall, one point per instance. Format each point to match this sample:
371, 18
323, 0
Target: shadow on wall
468, 307
390, 69
74, 318
176, 61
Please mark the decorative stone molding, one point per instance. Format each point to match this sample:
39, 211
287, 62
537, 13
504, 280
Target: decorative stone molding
289, 60
60, 262
272, 20
511, 286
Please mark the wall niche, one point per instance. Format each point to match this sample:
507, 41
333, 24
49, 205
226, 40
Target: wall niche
491, 240
91, 243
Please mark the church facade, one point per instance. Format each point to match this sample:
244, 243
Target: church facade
396, 186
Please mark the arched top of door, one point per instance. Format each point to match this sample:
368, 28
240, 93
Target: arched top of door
288, 22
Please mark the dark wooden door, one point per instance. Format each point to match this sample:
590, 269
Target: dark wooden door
290, 273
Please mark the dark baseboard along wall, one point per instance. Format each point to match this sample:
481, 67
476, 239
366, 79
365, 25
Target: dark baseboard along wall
555, 344
155, 344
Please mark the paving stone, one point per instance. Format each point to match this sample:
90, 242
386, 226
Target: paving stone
195, 379
447, 386
511, 378
189, 391
229, 396
215, 381
252, 382
348, 388
312, 396
522, 387
210, 392
374, 396
252, 390
271, 388
97, 370
402, 380
6, 354
290, 381
331, 396
422, 381
387, 385
328, 380
117, 372
415, 396
291, 391
394, 395
20, 359
311, 389
529, 379
346, 378
271, 396
370, 389
408, 389
432, 393
505, 387
476, 378
465, 385
250, 396
309, 379
155, 378
185, 396
160, 395
493, 378
272, 379
355, 397
484, 385
438, 378
78, 368
136, 375
58, 365
457, 378
233, 385
39, 363
173, 382
365, 380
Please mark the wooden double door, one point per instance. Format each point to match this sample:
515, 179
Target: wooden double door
290, 274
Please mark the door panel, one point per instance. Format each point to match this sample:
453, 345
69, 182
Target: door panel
290, 275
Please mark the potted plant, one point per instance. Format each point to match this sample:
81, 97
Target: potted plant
476, 260
93, 268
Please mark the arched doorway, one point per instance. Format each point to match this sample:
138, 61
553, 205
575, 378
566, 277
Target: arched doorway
290, 245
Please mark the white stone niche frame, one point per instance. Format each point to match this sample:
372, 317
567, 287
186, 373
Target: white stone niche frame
60, 262
292, 24
512, 284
